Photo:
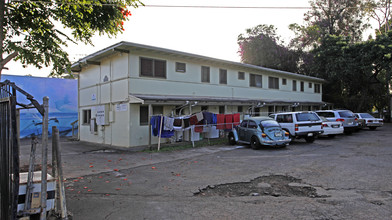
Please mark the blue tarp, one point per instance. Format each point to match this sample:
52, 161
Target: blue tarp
63, 103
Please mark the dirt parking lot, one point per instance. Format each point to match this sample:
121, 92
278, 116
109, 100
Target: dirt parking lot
346, 177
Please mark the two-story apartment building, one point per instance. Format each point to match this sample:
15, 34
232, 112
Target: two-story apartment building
122, 86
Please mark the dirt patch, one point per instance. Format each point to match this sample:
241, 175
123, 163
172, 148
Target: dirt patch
274, 185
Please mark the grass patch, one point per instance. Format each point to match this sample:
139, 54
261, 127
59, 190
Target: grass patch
187, 145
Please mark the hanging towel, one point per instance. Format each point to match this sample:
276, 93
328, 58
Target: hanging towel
186, 123
199, 127
193, 120
214, 119
220, 120
208, 116
177, 122
155, 124
199, 116
236, 119
229, 121
168, 122
154, 127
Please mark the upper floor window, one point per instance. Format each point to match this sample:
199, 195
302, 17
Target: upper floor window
256, 80
222, 76
302, 86
317, 88
294, 85
180, 67
205, 74
284, 81
273, 82
152, 67
310, 85
241, 75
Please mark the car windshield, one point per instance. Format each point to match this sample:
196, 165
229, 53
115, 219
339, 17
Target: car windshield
323, 118
326, 114
307, 116
366, 115
346, 114
269, 123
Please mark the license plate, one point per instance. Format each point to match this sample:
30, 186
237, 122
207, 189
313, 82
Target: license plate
310, 134
335, 126
278, 134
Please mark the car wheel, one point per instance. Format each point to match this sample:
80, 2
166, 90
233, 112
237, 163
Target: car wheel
309, 139
372, 128
231, 139
254, 142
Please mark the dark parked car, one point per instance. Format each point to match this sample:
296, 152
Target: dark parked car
258, 131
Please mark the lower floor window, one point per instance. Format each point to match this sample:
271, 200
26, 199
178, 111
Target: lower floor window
86, 117
143, 115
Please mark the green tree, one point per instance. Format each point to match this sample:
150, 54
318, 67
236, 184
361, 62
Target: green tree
330, 17
30, 30
261, 46
356, 74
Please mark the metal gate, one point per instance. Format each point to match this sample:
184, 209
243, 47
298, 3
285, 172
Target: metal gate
9, 153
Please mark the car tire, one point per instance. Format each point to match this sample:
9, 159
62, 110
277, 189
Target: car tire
231, 139
372, 128
309, 139
254, 142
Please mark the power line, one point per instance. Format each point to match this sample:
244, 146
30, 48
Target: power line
227, 7
169, 6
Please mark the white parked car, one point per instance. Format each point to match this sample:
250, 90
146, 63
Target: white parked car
347, 117
369, 121
331, 128
305, 125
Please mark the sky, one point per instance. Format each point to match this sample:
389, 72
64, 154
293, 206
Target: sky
209, 32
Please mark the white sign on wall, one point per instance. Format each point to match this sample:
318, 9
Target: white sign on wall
121, 107
100, 116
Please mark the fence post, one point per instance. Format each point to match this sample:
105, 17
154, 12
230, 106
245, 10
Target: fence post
59, 172
30, 177
44, 170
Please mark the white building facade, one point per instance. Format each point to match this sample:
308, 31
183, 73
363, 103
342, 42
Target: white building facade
122, 86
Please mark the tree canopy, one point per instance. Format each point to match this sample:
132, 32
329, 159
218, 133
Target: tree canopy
330, 46
357, 74
31, 30
263, 47
330, 17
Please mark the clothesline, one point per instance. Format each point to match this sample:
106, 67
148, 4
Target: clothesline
198, 121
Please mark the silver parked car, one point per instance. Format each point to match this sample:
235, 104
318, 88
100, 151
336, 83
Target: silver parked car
347, 117
367, 120
258, 131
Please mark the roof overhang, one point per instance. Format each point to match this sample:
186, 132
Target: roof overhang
206, 100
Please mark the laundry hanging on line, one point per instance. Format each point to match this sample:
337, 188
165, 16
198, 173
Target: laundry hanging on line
198, 120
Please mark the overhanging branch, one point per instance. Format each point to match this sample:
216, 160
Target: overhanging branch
8, 59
